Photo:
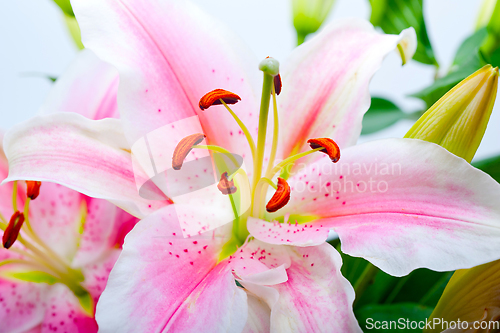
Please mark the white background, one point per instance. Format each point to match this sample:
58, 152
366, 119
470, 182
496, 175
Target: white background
34, 39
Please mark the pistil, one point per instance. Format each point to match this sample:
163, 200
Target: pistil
270, 68
274, 147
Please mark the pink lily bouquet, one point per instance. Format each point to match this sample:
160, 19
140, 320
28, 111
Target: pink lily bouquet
174, 183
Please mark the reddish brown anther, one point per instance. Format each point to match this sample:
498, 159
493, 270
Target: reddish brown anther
184, 147
214, 97
277, 84
12, 231
329, 147
280, 197
225, 185
33, 189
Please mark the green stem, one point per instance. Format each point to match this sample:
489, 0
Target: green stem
364, 281
301, 38
251, 143
261, 141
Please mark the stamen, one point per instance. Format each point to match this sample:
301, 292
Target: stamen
270, 182
214, 97
184, 147
274, 147
33, 189
12, 231
226, 186
280, 197
286, 163
219, 150
277, 84
329, 147
248, 136
14, 195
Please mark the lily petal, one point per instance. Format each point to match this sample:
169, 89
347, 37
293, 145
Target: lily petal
325, 82
64, 313
20, 305
259, 316
316, 297
104, 228
89, 87
160, 274
97, 272
399, 203
6, 208
169, 54
56, 218
91, 157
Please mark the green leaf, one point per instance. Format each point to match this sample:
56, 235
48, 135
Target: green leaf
421, 286
392, 317
468, 50
382, 114
31, 276
65, 6
495, 58
393, 16
468, 59
74, 30
491, 166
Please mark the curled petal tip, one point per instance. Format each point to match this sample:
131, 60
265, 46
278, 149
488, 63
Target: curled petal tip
184, 147
226, 186
33, 189
329, 146
215, 96
280, 197
12, 231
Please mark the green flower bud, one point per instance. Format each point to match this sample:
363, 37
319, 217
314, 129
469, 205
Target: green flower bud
470, 295
489, 17
308, 15
458, 120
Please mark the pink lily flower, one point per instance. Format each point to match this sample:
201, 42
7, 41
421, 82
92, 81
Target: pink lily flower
56, 268
165, 282
169, 54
